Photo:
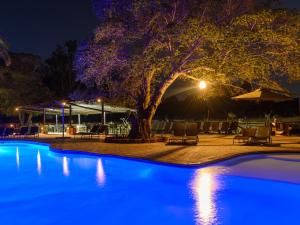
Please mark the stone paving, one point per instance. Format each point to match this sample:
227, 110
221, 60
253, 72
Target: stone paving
211, 148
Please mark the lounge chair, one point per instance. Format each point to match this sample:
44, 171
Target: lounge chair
95, 131
166, 133
224, 127
206, 127
23, 131
178, 133
7, 132
262, 135
200, 125
192, 133
2, 129
233, 127
246, 135
161, 127
34, 131
215, 127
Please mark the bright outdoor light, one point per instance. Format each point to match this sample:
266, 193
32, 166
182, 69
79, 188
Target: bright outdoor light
17, 109
63, 103
98, 100
202, 84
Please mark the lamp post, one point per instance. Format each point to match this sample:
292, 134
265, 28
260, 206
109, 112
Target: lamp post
99, 100
63, 119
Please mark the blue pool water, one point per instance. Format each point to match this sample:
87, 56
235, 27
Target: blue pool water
41, 187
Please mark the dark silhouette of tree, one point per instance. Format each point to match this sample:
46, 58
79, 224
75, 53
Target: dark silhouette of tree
58, 71
21, 83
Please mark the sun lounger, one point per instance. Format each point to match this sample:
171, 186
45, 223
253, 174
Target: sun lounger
200, 126
262, 135
178, 133
233, 127
2, 129
246, 135
23, 131
34, 131
6, 132
224, 127
192, 132
95, 131
206, 127
215, 127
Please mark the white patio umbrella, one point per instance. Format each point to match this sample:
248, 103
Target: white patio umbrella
265, 94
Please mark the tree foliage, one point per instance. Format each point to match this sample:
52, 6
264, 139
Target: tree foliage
141, 47
21, 84
59, 75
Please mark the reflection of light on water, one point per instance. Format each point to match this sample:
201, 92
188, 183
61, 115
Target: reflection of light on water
204, 188
17, 158
39, 162
66, 170
100, 173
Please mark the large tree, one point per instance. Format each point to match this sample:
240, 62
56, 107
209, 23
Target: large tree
142, 46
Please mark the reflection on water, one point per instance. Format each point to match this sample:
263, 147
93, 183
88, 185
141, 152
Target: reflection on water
66, 170
100, 176
204, 187
39, 163
17, 158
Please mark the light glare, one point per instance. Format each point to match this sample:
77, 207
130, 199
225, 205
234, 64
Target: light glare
202, 84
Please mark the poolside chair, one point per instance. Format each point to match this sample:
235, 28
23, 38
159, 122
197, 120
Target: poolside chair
161, 127
154, 126
178, 133
167, 132
7, 132
200, 125
34, 131
206, 127
215, 127
2, 129
93, 130
224, 127
192, 133
262, 135
246, 135
23, 131
234, 125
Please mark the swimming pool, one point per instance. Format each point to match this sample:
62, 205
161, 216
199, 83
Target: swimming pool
40, 187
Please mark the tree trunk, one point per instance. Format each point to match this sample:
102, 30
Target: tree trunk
21, 118
140, 126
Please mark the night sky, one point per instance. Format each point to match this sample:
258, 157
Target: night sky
37, 26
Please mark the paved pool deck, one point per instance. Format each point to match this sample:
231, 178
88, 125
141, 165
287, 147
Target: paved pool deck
212, 148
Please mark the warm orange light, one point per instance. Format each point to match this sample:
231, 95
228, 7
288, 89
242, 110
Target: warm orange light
98, 100
63, 103
11, 125
17, 109
202, 84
